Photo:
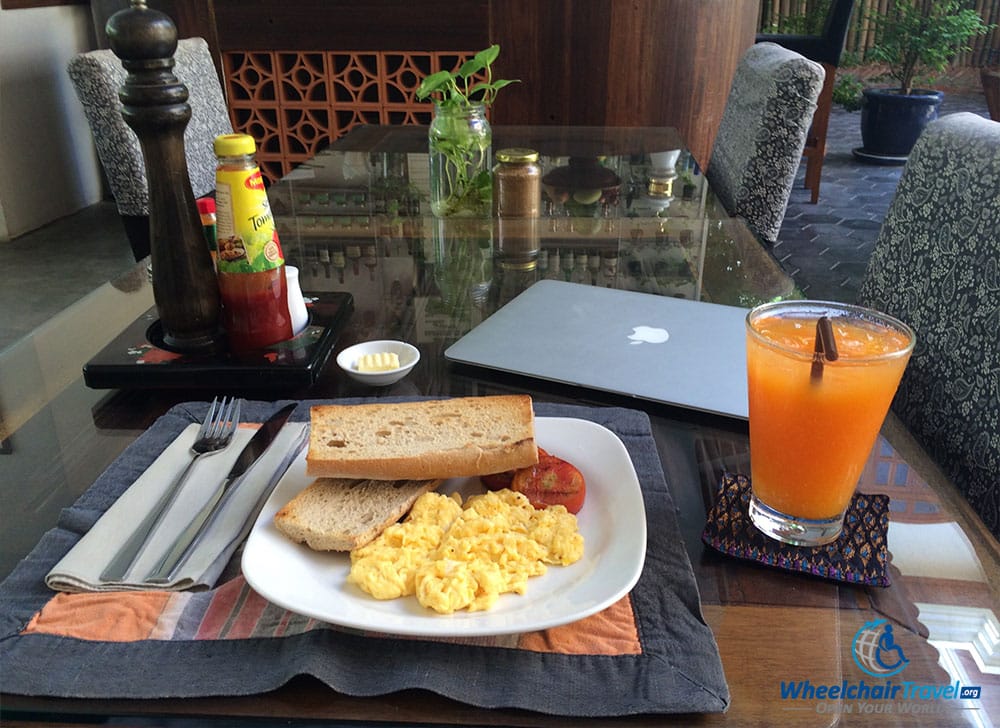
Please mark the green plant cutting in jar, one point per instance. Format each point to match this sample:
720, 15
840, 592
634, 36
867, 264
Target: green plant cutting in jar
460, 137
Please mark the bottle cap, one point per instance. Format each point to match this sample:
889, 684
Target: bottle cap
206, 205
517, 156
234, 145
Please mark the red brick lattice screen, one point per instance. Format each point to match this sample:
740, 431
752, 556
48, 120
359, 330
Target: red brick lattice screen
295, 102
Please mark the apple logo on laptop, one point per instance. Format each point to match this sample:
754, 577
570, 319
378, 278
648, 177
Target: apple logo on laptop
648, 335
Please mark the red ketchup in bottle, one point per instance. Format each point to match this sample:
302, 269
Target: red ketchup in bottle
251, 265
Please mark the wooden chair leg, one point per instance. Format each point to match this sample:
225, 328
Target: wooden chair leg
814, 168
815, 149
991, 87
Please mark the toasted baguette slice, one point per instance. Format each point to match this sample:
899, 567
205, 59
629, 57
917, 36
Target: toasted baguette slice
446, 438
341, 514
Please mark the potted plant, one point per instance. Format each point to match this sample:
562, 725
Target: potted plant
460, 138
847, 90
913, 38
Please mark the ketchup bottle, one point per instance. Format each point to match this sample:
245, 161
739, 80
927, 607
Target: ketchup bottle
250, 262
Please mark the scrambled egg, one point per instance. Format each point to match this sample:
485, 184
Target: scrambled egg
453, 557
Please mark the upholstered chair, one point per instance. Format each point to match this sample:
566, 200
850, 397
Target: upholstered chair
826, 49
97, 77
759, 144
936, 266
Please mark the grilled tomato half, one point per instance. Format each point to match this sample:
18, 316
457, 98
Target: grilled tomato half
551, 482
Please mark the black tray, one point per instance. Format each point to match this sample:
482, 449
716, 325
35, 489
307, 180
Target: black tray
136, 359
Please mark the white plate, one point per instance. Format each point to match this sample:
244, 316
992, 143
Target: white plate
612, 521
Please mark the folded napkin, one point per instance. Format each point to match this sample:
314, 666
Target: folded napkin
80, 569
858, 556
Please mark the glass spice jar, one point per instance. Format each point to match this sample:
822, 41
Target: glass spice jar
517, 183
517, 195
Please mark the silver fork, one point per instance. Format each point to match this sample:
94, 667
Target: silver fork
215, 434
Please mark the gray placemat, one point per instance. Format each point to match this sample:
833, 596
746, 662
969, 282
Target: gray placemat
678, 670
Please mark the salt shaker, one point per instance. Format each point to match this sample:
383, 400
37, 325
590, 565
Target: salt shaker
296, 301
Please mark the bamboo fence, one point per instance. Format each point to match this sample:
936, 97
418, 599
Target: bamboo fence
806, 16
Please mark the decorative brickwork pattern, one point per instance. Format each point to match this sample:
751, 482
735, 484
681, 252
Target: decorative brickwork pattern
295, 102
913, 500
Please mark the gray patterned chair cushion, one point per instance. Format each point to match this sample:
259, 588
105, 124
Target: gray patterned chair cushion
762, 133
935, 266
97, 77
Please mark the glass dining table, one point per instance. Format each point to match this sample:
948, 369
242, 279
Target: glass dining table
795, 648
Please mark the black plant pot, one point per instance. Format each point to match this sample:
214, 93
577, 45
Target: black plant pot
891, 122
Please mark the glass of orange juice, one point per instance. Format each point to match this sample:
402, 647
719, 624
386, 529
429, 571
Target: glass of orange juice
815, 410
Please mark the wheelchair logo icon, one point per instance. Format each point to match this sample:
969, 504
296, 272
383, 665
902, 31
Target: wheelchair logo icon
875, 650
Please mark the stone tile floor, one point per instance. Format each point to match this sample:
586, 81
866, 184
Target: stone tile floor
826, 246
55, 266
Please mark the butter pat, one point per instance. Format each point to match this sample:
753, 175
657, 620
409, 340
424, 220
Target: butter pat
382, 361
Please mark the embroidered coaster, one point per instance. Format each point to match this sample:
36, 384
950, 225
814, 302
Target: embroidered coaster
858, 556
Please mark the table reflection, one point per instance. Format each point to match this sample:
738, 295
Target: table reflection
620, 210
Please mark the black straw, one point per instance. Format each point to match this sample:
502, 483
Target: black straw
825, 347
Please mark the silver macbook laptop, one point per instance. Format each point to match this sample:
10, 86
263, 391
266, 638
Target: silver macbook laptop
671, 350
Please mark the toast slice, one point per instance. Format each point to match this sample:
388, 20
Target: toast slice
342, 514
445, 438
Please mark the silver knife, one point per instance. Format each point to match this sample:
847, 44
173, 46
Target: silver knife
279, 472
258, 444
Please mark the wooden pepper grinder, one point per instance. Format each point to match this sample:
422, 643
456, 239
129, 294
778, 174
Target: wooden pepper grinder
155, 107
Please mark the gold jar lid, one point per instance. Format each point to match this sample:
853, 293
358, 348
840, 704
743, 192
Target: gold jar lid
519, 264
517, 156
